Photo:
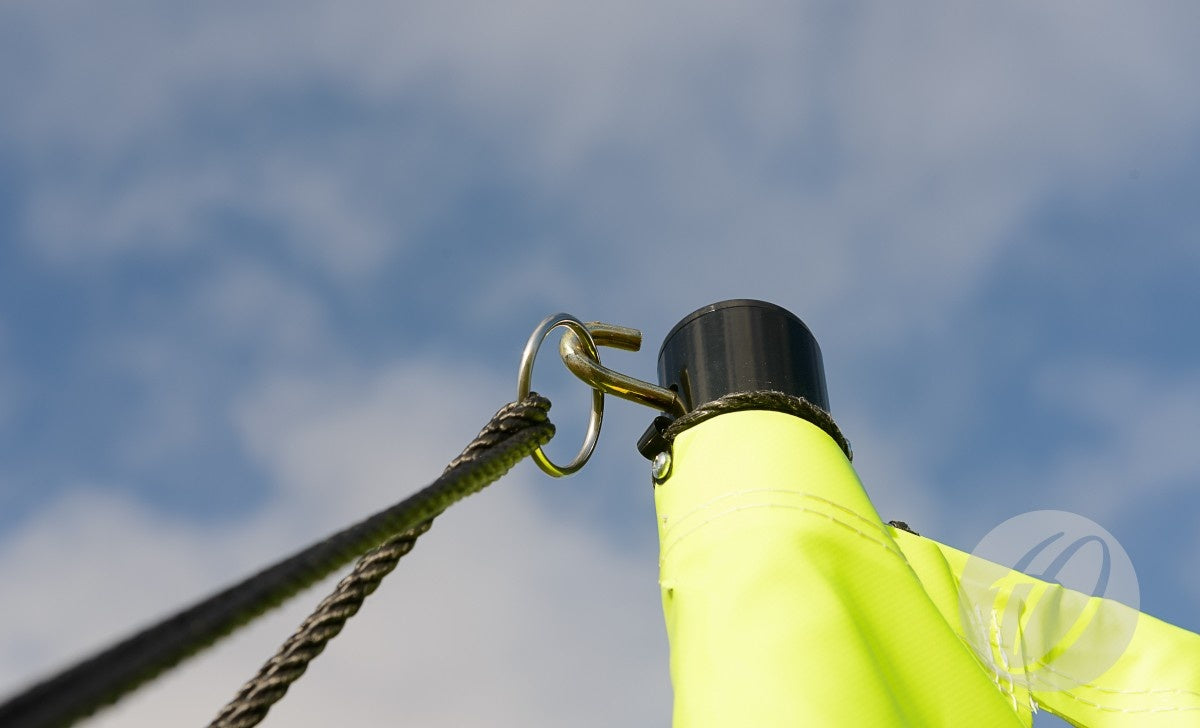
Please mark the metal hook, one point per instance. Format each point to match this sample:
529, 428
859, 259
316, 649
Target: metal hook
584, 364
579, 349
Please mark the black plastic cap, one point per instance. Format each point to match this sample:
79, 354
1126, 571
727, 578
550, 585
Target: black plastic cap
741, 345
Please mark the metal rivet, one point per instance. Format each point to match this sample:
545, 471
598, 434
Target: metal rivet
661, 467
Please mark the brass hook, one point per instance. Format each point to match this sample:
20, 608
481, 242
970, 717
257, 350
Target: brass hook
584, 364
580, 352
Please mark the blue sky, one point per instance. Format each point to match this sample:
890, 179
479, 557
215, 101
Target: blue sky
264, 268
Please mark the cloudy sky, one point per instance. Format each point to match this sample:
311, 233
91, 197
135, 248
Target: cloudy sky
265, 267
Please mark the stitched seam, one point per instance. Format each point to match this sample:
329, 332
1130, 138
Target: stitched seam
890, 548
1117, 691
1113, 709
995, 643
699, 509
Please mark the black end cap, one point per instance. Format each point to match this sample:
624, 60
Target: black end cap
741, 345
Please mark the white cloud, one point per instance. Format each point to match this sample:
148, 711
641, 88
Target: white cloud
1146, 425
315, 208
349, 439
191, 349
878, 152
505, 614
246, 302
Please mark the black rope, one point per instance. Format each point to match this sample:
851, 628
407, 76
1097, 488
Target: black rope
256, 697
903, 527
512, 434
760, 400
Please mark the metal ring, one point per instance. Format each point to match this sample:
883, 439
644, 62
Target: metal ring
525, 377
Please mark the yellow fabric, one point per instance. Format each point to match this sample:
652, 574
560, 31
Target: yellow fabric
1154, 682
789, 603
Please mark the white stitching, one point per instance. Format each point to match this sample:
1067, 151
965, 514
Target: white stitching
890, 548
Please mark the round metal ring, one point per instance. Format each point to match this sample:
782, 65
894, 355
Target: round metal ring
525, 378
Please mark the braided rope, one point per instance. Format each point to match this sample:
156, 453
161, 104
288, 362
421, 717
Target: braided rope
256, 697
761, 400
82, 689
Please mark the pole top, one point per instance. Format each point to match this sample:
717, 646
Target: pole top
741, 345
